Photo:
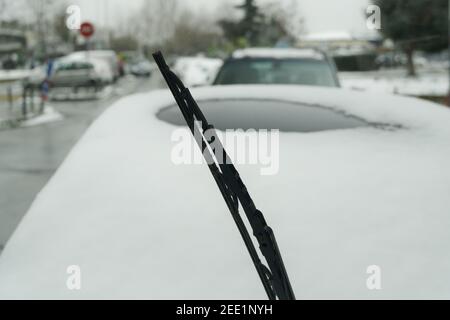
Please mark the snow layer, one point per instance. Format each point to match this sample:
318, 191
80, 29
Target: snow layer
425, 84
13, 75
141, 227
278, 53
329, 36
49, 115
197, 71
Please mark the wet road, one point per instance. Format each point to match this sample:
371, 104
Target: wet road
29, 156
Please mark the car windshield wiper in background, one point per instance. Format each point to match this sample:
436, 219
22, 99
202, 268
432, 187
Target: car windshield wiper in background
273, 276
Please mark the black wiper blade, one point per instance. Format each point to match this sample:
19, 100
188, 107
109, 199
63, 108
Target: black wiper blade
273, 276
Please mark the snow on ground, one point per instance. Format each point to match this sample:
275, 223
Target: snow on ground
123, 86
49, 115
11, 113
13, 75
67, 94
425, 84
141, 227
33, 119
329, 35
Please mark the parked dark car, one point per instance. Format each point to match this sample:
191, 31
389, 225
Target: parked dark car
278, 66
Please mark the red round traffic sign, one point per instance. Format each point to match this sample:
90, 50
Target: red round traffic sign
86, 29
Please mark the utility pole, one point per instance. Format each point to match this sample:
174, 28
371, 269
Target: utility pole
448, 40
2, 10
40, 15
108, 27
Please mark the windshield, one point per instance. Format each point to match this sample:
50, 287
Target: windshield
266, 114
277, 71
75, 65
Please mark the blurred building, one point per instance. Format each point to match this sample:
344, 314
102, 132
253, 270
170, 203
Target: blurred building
13, 46
350, 52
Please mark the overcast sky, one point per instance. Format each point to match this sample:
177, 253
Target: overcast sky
319, 15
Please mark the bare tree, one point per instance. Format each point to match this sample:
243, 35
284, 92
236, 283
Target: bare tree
193, 34
40, 10
288, 17
3, 9
44, 16
155, 21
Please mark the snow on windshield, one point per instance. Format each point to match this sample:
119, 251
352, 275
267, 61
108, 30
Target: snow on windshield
344, 200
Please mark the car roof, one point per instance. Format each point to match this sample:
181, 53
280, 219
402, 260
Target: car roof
120, 209
95, 52
278, 53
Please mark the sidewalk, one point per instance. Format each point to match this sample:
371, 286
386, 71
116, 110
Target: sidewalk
10, 101
12, 117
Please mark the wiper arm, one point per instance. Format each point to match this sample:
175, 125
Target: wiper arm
274, 277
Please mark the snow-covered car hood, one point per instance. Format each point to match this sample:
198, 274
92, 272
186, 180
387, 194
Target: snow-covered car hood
140, 226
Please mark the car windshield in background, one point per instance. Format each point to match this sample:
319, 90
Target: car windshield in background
74, 66
277, 71
266, 114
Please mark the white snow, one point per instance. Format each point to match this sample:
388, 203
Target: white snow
49, 115
141, 227
13, 75
277, 53
425, 84
67, 94
328, 36
197, 71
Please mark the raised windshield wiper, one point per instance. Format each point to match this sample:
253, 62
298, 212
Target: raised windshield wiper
274, 277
